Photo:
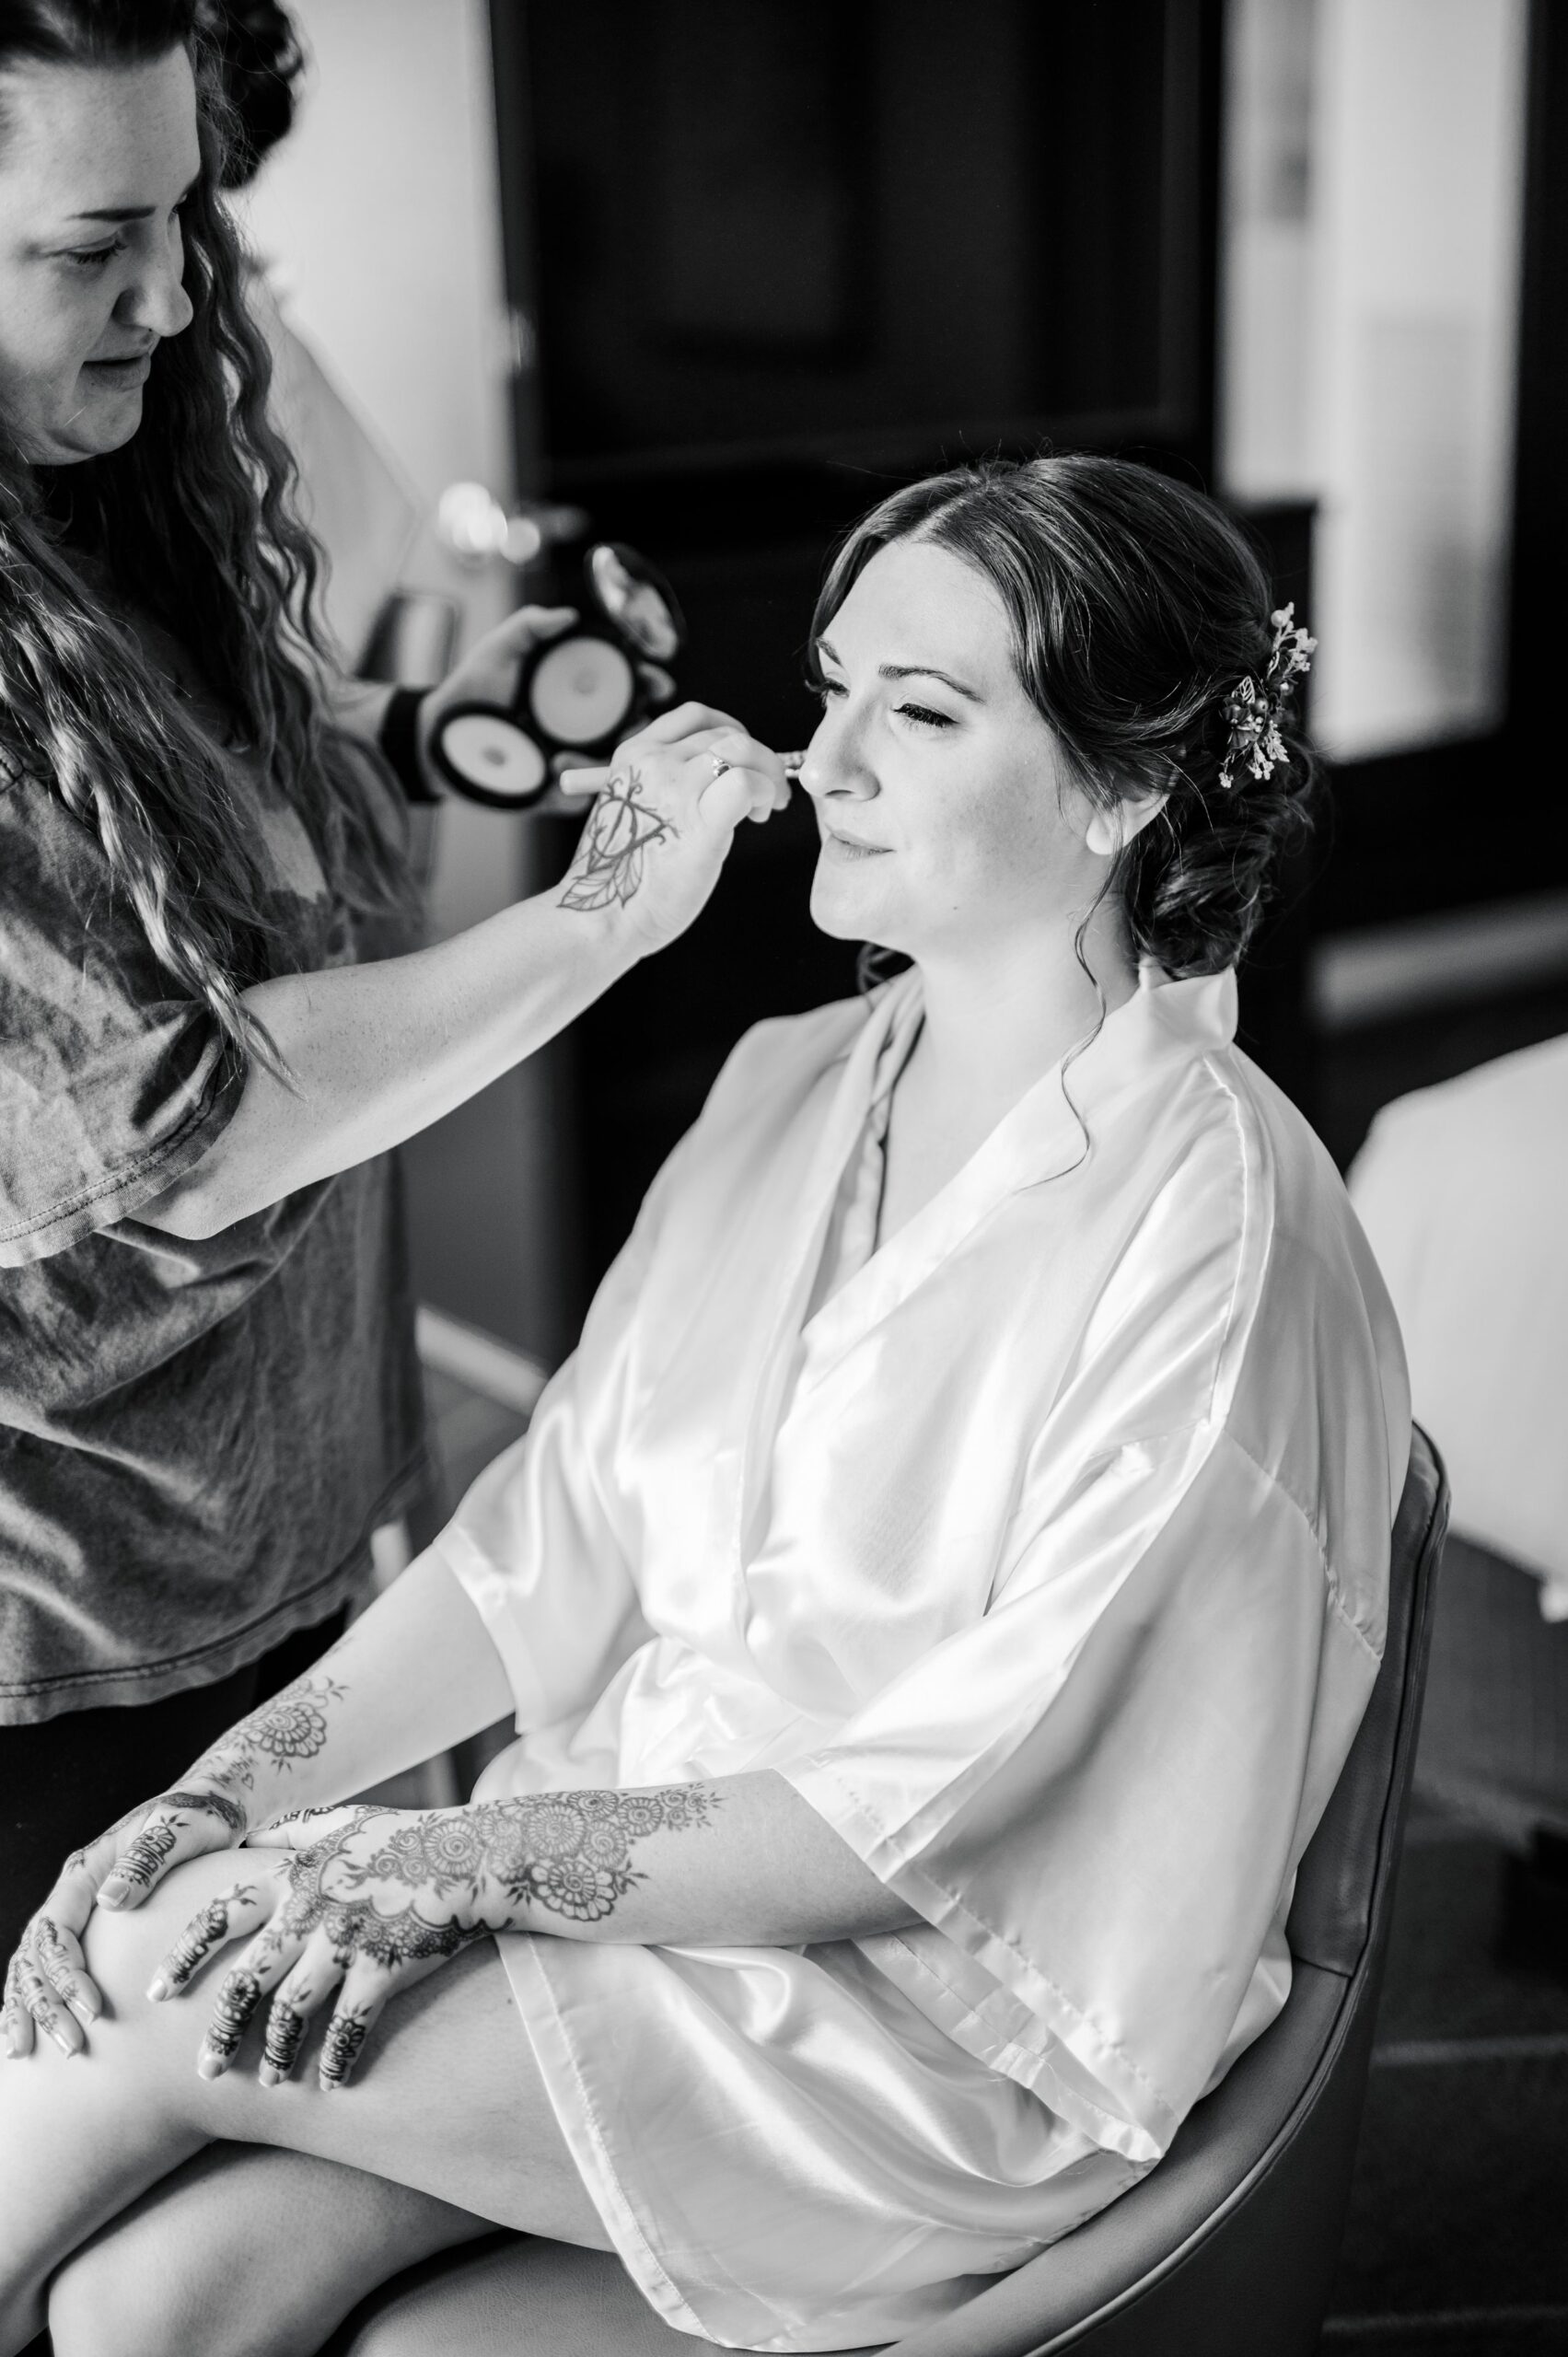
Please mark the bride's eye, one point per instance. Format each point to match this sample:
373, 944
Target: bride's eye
822, 688
922, 716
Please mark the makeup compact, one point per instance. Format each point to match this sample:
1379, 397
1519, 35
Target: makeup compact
577, 695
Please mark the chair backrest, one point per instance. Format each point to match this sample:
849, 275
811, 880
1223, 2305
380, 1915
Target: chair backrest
1229, 2245
1345, 1873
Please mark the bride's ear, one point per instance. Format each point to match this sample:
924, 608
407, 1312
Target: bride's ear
1110, 831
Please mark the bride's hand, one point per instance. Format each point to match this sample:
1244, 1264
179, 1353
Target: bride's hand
371, 1901
48, 1986
667, 809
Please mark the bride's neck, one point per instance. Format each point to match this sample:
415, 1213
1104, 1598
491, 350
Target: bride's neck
998, 1019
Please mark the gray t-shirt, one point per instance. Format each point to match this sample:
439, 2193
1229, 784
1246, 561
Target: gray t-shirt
196, 1439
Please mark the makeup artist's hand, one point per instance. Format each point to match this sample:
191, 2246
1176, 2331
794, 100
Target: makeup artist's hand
669, 802
48, 1986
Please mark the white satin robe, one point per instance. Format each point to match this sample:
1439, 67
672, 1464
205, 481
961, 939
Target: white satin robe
1046, 1559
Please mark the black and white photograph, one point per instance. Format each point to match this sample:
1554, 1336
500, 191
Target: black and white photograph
784, 1178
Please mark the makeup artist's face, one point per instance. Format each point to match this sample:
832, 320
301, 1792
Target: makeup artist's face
946, 816
95, 162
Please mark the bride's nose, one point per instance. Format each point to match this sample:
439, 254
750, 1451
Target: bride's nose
833, 762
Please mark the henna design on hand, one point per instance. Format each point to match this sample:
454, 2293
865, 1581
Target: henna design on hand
145, 1860
215, 1804
609, 864
291, 1727
286, 2034
236, 2000
204, 1933
340, 2048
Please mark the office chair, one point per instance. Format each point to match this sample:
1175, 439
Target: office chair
1227, 2248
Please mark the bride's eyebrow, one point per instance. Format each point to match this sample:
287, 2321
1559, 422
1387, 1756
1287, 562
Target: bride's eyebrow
929, 671
905, 671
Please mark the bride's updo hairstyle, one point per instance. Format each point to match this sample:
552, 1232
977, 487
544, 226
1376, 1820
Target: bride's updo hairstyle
1138, 615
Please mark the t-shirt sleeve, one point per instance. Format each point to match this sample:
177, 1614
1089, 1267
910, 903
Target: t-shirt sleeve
1095, 1796
113, 1085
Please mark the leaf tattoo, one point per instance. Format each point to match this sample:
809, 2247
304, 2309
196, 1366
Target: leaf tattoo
609, 864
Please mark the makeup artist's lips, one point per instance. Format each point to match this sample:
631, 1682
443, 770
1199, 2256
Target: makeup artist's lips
134, 369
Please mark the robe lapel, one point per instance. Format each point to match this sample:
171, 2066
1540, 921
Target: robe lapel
800, 1255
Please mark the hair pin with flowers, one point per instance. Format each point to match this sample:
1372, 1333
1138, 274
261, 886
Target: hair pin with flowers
1255, 708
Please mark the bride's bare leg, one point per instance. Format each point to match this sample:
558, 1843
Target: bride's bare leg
173, 2274
447, 2100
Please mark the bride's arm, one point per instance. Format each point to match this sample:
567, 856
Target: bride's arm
374, 1899
414, 1675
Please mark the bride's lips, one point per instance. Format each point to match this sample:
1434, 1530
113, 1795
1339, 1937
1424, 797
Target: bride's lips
846, 847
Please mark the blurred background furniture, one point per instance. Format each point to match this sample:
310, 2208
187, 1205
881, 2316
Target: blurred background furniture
1228, 2247
1463, 1192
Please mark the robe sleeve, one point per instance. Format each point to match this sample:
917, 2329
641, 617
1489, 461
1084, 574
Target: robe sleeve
1095, 1796
542, 1543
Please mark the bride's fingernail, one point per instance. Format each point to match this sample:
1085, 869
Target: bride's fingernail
158, 1989
210, 2066
268, 2076
82, 2010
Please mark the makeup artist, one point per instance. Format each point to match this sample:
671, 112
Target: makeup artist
208, 1394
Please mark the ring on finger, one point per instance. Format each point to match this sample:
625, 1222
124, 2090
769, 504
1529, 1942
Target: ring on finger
720, 766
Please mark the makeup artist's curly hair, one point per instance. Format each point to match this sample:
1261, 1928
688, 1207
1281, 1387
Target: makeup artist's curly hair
195, 518
1137, 610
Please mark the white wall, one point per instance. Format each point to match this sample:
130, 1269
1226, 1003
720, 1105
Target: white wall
381, 215
1371, 339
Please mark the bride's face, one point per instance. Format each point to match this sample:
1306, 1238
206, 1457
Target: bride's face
947, 815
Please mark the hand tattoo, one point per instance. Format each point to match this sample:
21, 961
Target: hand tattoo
621, 829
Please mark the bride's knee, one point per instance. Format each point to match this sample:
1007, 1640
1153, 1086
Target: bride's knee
125, 1946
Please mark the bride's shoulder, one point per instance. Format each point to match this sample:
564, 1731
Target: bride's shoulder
787, 1055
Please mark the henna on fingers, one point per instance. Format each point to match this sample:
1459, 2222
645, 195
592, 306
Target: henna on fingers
286, 2034
236, 2001
204, 1933
340, 2048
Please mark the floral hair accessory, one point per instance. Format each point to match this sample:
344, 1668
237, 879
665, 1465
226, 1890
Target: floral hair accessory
1255, 708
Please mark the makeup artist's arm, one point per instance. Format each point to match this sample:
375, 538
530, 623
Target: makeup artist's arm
374, 1053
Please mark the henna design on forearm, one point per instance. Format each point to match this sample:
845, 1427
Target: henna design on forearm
622, 829
276, 1737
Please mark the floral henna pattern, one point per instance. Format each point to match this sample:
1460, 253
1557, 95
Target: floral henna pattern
346, 2034
238, 2000
286, 2034
621, 829
145, 1858
203, 1933
393, 1890
292, 1726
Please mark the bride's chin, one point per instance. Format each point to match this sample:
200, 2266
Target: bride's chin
845, 915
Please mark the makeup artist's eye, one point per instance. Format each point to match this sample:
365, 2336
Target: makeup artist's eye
922, 716
822, 688
93, 257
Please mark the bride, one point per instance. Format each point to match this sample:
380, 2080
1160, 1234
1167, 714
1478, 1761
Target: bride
936, 1599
